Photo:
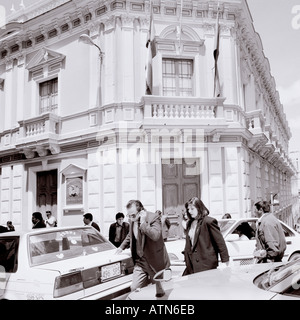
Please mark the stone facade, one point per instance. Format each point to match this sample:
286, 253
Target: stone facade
66, 107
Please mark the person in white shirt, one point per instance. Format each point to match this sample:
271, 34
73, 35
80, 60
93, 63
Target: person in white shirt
51, 220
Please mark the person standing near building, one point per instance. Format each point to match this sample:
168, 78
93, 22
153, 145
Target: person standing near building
51, 220
10, 226
146, 243
118, 230
165, 224
38, 221
88, 221
204, 241
270, 238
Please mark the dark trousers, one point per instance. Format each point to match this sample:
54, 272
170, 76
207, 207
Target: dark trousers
116, 244
268, 260
142, 274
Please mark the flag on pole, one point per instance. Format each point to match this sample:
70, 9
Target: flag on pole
217, 87
150, 49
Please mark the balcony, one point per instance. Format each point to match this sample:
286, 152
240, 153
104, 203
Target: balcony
183, 111
39, 134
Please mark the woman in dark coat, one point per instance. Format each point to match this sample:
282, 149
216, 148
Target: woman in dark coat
204, 240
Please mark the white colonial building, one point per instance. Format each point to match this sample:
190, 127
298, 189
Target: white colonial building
79, 134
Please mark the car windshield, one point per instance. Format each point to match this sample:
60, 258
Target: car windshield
225, 225
277, 274
65, 244
9, 254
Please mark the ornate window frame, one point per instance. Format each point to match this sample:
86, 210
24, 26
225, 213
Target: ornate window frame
45, 65
169, 44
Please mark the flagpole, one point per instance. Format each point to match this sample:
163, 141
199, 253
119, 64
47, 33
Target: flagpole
216, 55
148, 67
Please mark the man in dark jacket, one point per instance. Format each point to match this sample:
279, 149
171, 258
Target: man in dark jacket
270, 238
118, 230
146, 243
38, 221
88, 221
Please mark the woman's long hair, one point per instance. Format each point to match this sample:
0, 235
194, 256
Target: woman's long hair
199, 205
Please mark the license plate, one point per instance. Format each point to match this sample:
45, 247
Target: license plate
110, 271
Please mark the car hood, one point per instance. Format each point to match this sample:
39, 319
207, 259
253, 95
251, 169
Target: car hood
84, 262
234, 283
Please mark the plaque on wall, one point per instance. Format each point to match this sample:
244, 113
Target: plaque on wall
74, 194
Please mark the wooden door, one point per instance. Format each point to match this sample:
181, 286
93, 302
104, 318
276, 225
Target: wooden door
46, 196
181, 181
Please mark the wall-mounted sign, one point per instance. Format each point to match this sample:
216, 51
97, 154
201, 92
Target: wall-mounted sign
74, 187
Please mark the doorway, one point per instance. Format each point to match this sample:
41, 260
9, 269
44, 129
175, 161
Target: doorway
46, 192
181, 182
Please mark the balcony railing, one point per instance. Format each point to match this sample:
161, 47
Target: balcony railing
38, 134
185, 109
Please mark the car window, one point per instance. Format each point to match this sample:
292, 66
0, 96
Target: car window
60, 245
287, 232
9, 253
246, 229
225, 225
293, 290
278, 273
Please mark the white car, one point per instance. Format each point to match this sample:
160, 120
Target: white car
61, 263
265, 281
240, 251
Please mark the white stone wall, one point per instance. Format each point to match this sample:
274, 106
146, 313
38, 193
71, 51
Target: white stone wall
12, 192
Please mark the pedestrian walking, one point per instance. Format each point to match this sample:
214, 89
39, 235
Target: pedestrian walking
118, 230
146, 243
38, 221
270, 238
88, 221
51, 220
165, 224
204, 241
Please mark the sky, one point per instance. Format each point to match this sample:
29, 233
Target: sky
278, 24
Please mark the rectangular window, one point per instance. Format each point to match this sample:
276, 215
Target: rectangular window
177, 77
48, 96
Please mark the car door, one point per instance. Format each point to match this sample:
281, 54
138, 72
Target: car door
292, 241
241, 251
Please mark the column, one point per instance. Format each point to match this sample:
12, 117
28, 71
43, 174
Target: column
94, 187
9, 92
128, 58
6, 196
17, 195
216, 183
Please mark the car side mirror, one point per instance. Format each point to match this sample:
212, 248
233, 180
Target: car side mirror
232, 237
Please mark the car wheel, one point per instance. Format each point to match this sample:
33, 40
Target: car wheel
294, 256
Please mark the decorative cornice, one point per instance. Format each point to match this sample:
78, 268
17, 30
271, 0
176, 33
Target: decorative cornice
42, 57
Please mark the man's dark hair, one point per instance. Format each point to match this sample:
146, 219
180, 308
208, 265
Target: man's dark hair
258, 205
139, 205
120, 215
48, 212
264, 205
88, 216
227, 216
38, 215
